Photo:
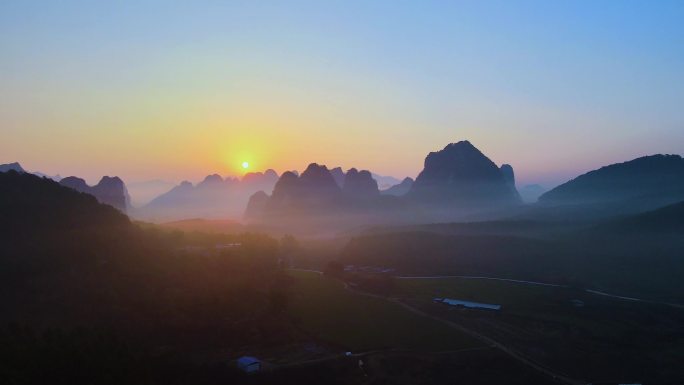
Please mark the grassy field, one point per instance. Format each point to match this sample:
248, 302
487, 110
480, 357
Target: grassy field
356, 322
602, 340
533, 302
512, 296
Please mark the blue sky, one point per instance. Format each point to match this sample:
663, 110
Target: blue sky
177, 90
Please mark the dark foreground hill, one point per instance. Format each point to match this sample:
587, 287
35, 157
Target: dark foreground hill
32, 203
43, 224
90, 297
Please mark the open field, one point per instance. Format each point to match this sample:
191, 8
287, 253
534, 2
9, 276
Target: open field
604, 339
514, 296
356, 322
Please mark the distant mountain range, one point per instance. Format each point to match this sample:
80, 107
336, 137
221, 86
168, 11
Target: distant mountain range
383, 182
459, 176
457, 183
316, 192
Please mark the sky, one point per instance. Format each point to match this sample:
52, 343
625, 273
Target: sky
178, 90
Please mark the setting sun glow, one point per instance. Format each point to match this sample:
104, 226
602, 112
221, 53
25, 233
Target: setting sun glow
245, 165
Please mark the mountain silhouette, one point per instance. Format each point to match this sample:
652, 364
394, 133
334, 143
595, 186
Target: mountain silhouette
461, 176
15, 166
109, 190
338, 175
317, 182
257, 204
360, 184
11, 166
509, 176
649, 181
456, 181
314, 189
315, 193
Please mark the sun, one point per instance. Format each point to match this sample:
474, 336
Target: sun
245, 165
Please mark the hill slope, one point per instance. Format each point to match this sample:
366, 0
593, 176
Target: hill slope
657, 178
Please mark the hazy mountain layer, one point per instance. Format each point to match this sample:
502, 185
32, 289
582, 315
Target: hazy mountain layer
143, 192
385, 182
400, 189
214, 197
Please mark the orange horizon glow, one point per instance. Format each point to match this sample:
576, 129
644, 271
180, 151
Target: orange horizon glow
208, 87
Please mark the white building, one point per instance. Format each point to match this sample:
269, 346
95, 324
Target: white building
467, 304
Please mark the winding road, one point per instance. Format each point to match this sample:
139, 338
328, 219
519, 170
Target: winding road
535, 283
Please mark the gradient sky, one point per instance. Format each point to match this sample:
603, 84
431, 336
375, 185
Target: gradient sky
178, 90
